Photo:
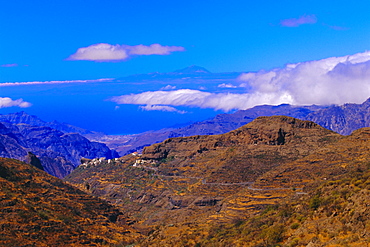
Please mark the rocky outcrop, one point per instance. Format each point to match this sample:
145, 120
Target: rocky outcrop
276, 130
33, 160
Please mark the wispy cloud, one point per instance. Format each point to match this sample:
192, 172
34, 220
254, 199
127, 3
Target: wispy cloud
161, 108
338, 28
8, 102
335, 80
12, 84
9, 65
226, 85
295, 22
111, 53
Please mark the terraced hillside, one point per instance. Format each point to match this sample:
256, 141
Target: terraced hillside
276, 180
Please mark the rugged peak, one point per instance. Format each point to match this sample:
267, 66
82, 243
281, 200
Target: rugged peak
22, 117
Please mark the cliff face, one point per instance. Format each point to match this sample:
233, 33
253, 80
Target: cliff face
58, 152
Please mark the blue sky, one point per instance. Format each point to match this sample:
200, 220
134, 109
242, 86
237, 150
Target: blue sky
65, 41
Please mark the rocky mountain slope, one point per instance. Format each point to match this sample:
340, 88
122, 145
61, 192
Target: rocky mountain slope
58, 152
220, 124
341, 119
276, 180
37, 209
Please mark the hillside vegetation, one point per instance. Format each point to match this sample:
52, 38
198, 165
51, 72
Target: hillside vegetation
275, 181
37, 209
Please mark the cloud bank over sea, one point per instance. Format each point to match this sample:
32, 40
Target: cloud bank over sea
334, 80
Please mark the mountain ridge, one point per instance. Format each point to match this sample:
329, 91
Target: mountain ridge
262, 184
342, 119
193, 164
58, 152
23, 117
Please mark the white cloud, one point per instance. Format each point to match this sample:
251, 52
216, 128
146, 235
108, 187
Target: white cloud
295, 22
226, 85
161, 108
193, 98
100, 52
10, 84
335, 80
8, 102
109, 53
168, 87
154, 49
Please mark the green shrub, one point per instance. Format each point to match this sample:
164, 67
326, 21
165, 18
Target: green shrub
294, 226
315, 202
273, 234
